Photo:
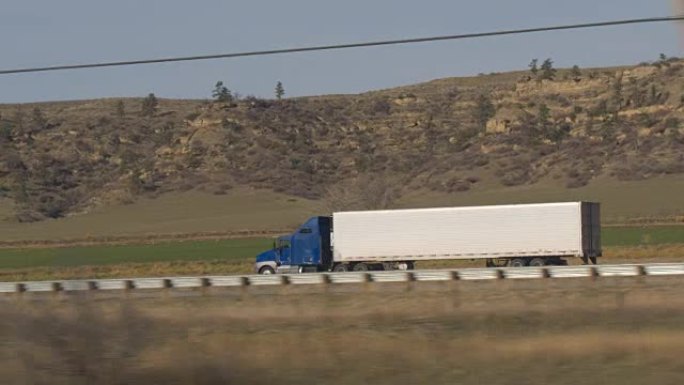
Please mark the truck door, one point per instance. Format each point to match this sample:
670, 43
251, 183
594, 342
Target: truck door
284, 252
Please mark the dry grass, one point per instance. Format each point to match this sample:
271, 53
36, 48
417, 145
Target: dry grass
613, 331
641, 254
155, 269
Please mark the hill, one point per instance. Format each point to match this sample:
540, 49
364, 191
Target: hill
612, 134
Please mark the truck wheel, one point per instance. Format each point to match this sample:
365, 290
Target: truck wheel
538, 262
266, 270
360, 267
517, 262
341, 268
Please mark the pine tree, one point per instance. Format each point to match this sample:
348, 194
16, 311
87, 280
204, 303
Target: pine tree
5, 132
149, 105
533, 66
548, 72
617, 94
279, 91
576, 72
543, 117
221, 93
120, 109
484, 110
38, 119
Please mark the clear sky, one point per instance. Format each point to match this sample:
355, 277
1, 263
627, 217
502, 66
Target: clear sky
49, 32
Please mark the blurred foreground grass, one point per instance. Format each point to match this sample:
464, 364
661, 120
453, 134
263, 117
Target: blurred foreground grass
570, 331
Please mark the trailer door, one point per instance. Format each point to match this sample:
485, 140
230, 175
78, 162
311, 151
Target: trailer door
591, 229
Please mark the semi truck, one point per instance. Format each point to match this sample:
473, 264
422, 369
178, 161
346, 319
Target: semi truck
515, 235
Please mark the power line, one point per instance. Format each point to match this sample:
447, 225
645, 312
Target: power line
342, 46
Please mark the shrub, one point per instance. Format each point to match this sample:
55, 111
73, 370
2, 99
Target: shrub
515, 177
192, 116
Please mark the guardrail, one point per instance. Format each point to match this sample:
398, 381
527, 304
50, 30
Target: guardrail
584, 271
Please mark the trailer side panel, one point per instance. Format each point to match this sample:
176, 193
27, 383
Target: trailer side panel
502, 231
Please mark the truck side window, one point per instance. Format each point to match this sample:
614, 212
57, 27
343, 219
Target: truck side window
284, 244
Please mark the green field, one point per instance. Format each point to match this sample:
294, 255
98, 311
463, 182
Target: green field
642, 236
226, 250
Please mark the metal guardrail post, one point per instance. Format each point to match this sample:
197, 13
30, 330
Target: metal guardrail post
244, 286
642, 270
367, 282
594, 273
205, 285
327, 283
129, 286
410, 280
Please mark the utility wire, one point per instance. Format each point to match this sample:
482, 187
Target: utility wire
342, 46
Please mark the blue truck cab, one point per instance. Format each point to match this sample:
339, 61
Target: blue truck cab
308, 249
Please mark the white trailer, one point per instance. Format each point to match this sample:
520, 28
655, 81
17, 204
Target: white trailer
503, 235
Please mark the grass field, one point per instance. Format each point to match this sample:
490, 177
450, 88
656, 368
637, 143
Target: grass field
249, 209
574, 331
177, 213
236, 256
187, 251
642, 235
620, 201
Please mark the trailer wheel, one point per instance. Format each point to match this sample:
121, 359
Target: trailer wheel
341, 268
360, 267
538, 262
410, 265
266, 270
517, 262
